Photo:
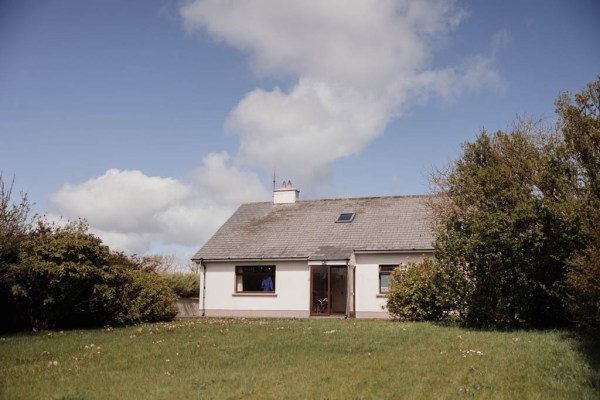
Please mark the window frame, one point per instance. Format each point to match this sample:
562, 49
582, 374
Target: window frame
239, 272
386, 270
345, 218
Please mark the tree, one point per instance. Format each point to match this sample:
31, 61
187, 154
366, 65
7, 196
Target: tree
507, 218
14, 223
518, 212
580, 124
157, 263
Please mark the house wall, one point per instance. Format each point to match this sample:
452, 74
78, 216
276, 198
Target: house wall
292, 288
369, 302
291, 297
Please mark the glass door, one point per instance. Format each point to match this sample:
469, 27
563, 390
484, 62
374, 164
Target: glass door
329, 289
319, 302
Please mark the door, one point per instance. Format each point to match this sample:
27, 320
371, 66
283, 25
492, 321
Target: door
328, 285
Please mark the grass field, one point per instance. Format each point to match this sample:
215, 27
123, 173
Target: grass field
297, 359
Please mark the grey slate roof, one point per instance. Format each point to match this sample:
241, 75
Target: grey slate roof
307, 229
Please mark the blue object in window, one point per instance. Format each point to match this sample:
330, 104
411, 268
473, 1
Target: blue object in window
267, 284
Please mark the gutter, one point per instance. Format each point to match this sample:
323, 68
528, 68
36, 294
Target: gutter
252, 259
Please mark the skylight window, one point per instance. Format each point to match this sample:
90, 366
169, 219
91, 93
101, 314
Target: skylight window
345, 217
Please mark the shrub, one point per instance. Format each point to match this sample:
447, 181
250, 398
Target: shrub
151, 298
184, 285
425, 291
65, 278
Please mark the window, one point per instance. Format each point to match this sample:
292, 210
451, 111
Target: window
385, 273
345, 217
255, 279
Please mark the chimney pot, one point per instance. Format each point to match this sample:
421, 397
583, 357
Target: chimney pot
286, 195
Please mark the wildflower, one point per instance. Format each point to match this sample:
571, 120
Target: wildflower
52, 363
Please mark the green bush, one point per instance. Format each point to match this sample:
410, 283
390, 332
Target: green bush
65, 278
184, 285
425, 291
128, 295
151, 298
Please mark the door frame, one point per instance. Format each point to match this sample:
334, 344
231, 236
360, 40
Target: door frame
329, 276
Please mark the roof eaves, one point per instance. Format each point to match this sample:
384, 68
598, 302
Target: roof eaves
411, 250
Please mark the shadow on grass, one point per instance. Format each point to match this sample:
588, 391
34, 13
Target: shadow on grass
588, 345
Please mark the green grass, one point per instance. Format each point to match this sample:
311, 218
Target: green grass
297, 359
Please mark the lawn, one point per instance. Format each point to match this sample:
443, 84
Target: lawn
297, 359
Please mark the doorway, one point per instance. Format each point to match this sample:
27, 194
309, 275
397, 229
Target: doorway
328, 285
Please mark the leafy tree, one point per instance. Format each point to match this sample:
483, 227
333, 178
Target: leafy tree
14, 223
580, 124
53, 283
509, 221
519, 214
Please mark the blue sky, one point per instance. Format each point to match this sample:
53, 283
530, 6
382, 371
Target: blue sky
155, 119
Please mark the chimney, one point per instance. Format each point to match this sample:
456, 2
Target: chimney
286, 195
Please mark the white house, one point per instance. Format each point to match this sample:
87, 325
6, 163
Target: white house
292, 258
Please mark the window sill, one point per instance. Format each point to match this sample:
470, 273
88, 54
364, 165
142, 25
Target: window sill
256, 294
381, 295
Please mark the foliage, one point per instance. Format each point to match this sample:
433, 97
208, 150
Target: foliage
583, 285
184, 285
156, 263
580, 123
298, 359
14, 223
516, 212
496, 222
425, 291
65, 277
151, 298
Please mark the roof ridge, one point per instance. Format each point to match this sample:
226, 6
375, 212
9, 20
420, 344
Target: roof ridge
349, 198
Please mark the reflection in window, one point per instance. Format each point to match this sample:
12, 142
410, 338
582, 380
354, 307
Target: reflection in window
255, 279
385, 273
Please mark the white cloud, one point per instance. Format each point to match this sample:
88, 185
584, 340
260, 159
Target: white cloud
356, 65
353, 66
305, 129
142, 214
